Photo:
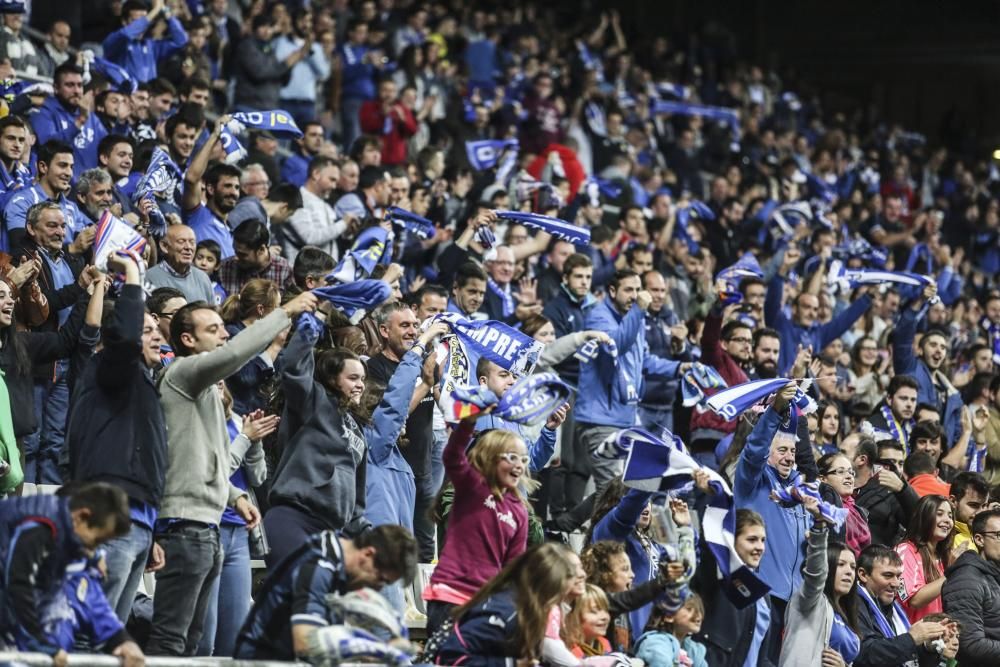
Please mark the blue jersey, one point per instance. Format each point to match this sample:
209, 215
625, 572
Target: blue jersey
293, 594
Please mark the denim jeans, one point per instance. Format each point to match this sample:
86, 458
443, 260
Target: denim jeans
424, 529
126, 558
42, 448
194, 561
229, 599
437, 464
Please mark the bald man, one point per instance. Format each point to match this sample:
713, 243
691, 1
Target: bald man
176, 268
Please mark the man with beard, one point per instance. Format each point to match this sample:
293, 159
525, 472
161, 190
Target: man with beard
222, 190
613, 382
93, 194
933, 386
55, 173
177, 269
766, 352
62, 115
894, 415
13, 173
728, 350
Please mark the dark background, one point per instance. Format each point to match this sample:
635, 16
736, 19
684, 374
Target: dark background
934, 67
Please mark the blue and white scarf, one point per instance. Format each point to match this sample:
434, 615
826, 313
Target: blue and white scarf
372, 247
796, 493
694, 383
558, 228
899, 619
506, 297
485, 153
415, 224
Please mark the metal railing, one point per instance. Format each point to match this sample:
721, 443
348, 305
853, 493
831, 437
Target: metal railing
98, 660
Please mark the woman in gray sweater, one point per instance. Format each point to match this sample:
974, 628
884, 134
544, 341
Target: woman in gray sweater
821, 617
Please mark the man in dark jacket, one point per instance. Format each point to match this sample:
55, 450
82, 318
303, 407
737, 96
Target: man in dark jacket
567, 311
259, 74
666, 335
889, 501
971, 593
63, 280
117, 434
887, 639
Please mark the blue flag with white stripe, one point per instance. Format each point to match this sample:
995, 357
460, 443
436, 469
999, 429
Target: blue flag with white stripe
734, 401
234, 150
372, 247
485, 153
415, 224
119, 77
158, 182
558, 228
653, 465
746, 266
355, 296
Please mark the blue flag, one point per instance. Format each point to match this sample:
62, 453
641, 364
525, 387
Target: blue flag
653, 465
533, 398
417, 225
372, 247
355, 296
702, 212
279, 123
159, 181
734, 401
746, 266
119, 77
699, 378
558, 228
485, 153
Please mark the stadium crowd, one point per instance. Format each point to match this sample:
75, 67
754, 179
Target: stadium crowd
277, 275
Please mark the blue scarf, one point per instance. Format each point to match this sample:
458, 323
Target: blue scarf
354, 296
417, 225
899, 432
485, 154
558, 228
280, 123
702, 212
506, 298
795, 493
888, 629
699, 378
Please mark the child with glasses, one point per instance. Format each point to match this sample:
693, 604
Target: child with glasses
488, 519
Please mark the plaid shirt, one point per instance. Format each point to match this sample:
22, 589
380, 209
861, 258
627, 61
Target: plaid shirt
232, 278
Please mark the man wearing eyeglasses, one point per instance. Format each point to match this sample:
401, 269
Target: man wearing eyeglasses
881, 491
971, 593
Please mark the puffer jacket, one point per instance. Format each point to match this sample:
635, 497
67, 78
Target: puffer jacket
971, 595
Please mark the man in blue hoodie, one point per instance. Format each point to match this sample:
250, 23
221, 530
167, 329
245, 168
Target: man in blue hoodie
61, 116
131, 48
802, 328
614, 382
768, 463
933, 386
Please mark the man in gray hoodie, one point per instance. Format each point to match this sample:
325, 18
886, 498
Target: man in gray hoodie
197, 487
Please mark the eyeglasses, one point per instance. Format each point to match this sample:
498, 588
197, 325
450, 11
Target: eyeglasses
740, 340
514, 457
841, 472
995, 534
167, 315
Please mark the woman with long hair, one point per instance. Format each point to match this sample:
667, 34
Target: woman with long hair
837, 477
256, 300
821, 616
925, 555
864, 374
828, 436
320, 481
508, 616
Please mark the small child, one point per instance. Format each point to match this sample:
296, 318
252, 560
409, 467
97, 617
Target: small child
587, 624
669, 643
207, 257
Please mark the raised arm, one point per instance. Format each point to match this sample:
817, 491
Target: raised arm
619, 523
123, 334
199, 163
393, 409
753, 458
193, 374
